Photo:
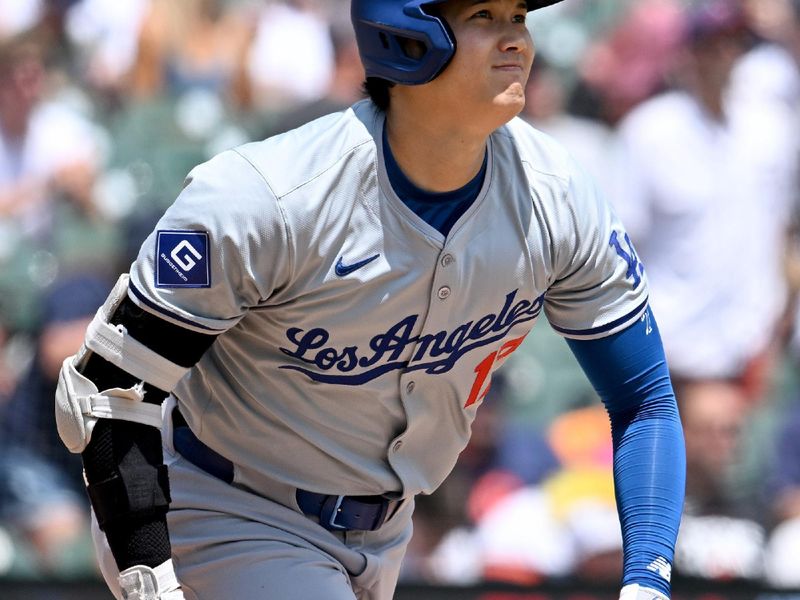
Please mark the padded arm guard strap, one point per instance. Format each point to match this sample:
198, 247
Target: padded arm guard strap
119, 348
79, 404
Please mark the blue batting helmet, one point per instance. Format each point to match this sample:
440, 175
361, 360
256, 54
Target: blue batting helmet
382, 25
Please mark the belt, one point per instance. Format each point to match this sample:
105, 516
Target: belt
335, 513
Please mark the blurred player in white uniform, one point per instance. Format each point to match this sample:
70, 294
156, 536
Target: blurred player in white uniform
707, 184
323, 312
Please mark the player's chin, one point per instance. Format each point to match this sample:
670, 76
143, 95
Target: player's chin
511, 101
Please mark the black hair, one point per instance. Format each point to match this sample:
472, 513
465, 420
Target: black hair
377, 90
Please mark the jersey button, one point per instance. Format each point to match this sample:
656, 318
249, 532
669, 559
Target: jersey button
448, 260
410, 387
444, 292
397, 445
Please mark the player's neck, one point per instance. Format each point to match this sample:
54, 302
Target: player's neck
436, 157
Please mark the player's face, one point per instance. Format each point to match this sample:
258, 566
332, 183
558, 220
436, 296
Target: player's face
493, 57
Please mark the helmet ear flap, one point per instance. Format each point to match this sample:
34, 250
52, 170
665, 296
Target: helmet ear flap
450, 35
416, 49
400, 41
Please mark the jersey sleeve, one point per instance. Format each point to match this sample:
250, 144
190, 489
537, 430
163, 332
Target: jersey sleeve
599, 285
219, 250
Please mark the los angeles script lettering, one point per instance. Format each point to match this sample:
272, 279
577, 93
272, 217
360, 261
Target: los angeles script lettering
434, 353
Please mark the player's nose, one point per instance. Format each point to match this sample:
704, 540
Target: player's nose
516, 39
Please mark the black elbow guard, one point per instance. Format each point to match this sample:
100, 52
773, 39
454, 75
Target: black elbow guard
128, 487
126, 479
125, 474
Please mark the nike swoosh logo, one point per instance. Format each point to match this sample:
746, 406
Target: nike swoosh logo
343, 269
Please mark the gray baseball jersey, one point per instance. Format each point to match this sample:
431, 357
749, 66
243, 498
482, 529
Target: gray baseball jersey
357, 341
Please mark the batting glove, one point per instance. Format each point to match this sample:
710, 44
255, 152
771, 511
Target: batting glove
143, 583
636, 592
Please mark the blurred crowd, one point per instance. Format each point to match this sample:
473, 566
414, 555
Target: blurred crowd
687, 113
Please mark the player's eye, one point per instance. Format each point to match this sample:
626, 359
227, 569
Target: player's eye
482, 14
521, 18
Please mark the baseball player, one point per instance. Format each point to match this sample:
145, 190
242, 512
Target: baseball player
323, 311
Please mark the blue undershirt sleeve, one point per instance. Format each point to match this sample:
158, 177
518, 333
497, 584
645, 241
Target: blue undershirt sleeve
629, 372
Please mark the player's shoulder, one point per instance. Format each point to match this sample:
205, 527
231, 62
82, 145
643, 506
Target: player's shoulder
557, 182
536, 149
290, 160
551, 170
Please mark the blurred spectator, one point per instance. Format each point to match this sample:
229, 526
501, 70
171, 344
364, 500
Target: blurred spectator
189, 45
28, 419
106, 36
50, 155
280, 78
705, 190
45, 516
40, 497
344, 88
713, 414
631, 64
768, 78
47, 150
721, 533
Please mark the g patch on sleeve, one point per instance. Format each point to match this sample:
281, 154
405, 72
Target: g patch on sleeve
182, 259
